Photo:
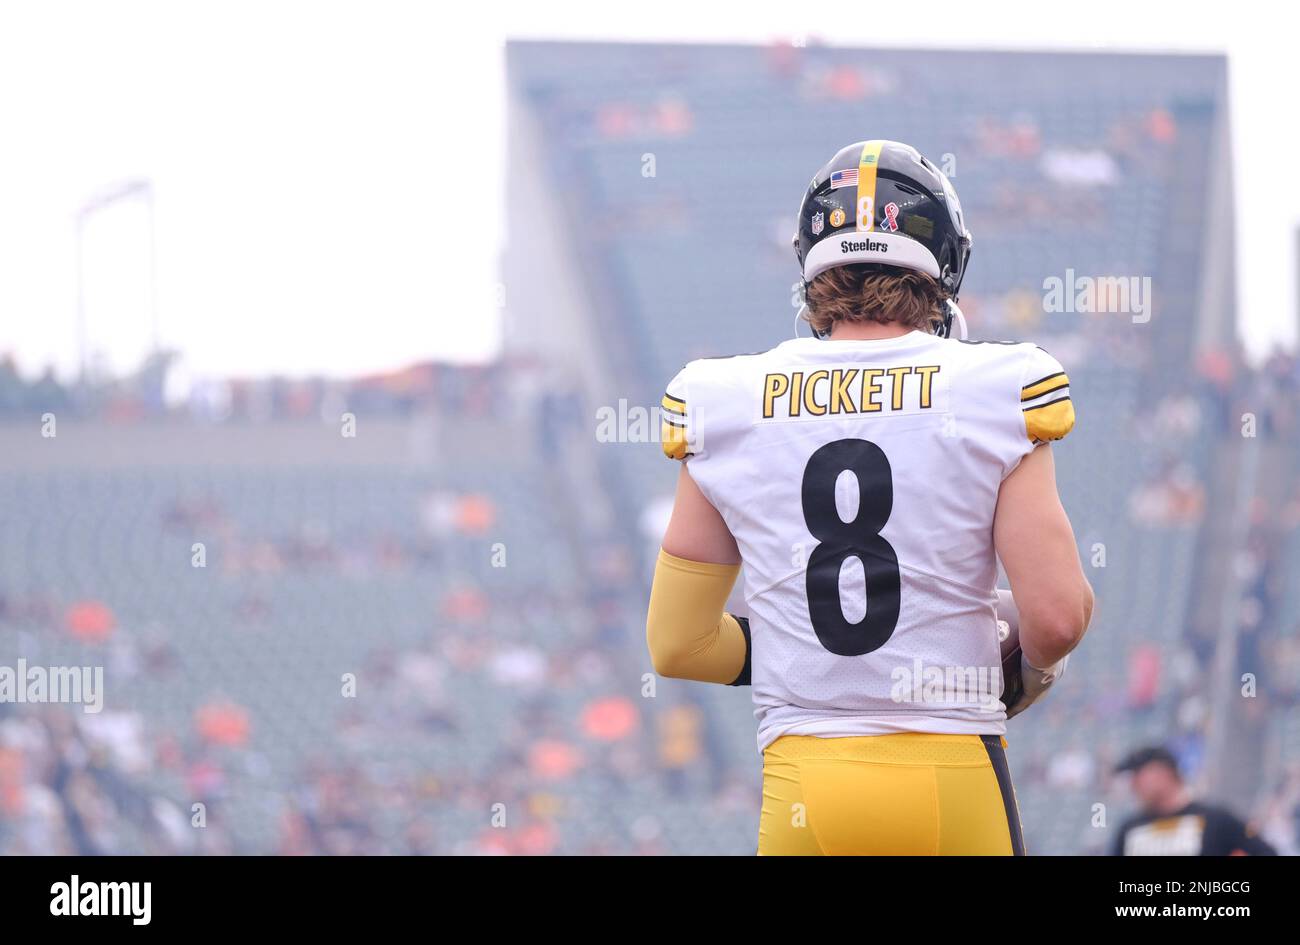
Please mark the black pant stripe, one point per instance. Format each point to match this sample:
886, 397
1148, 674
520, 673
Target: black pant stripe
998, 756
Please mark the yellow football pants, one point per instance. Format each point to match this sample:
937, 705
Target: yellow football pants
909, 794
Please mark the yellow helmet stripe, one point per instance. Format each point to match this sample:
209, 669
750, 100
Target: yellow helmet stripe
867, 162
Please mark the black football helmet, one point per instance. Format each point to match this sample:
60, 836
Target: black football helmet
883, 203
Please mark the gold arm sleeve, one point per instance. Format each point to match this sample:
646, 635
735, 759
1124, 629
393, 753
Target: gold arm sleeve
688, 634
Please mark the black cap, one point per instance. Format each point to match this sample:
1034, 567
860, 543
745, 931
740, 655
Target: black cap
1145, 756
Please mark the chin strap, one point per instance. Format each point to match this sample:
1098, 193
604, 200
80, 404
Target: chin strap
803, 310
799, 317
952, 313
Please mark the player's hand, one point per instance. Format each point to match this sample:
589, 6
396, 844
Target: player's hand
1034, 684
1023, 685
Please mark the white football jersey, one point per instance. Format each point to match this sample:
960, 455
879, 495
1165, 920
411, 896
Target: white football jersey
860, 479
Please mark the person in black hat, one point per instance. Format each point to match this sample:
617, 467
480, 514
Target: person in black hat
1171, 823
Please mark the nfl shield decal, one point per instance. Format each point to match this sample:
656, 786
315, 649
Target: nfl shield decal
818, 223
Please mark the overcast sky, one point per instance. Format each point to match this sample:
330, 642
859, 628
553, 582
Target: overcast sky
325, 174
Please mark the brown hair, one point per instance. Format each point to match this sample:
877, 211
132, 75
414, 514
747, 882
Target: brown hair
870, 293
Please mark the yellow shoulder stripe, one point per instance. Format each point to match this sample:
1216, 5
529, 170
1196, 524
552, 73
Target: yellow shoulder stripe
1044, 385
673, 438
1050, 421
673, 405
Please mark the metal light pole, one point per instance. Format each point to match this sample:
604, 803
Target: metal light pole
139, 189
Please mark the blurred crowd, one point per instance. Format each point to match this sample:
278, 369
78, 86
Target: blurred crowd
161, 388
519, 707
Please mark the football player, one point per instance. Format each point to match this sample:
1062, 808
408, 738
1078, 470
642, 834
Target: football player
869, 478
